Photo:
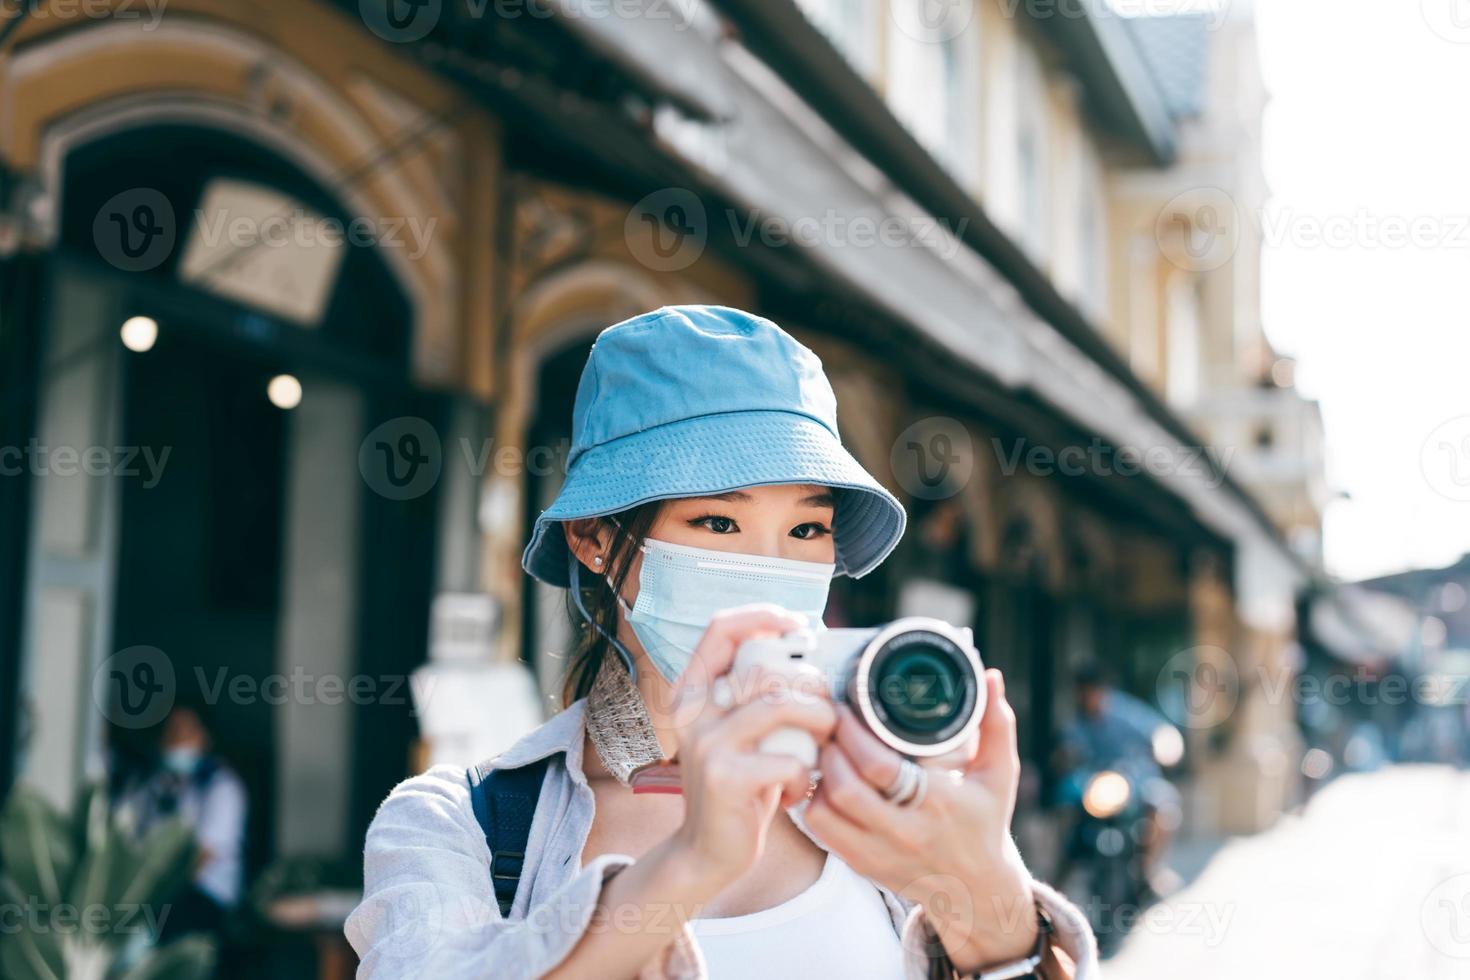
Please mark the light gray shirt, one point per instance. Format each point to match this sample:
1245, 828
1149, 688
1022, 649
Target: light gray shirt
214, 809
428, 908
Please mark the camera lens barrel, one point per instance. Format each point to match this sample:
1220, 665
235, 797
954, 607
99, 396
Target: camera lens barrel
917, 684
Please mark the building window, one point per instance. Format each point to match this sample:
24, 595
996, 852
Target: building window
1032, 153
852, 26
1092, 233
959, 107
1092, 254
1182, 342
930, 86
1032, 164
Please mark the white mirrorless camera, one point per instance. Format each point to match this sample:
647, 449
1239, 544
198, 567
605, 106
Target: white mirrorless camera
917, 683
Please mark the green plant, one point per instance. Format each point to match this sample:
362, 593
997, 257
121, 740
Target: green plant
80, 900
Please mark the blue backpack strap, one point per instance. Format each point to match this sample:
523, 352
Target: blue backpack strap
504, 801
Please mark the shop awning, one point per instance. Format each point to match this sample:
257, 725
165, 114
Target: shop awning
1361, 627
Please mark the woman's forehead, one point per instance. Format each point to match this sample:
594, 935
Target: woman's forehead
800, 494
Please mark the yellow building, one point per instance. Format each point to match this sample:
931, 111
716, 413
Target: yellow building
369, 244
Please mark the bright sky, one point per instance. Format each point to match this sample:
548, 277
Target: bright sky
1368, 127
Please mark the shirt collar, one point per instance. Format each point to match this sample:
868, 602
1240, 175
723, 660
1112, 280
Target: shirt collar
564, 732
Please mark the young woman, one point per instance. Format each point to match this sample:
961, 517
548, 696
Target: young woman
709, 500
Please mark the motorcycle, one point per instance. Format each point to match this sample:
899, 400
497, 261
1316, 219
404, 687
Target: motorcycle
1114, 813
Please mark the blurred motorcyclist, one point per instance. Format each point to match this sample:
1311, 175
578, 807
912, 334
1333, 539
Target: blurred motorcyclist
1114, 730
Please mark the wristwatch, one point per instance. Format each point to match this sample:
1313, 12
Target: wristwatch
1028, 967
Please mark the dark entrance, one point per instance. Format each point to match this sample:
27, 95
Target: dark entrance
209, 557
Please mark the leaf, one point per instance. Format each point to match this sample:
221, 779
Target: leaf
21, 960
167, 858
26, 953
88, 959
92, 817
189, 958
101, 866
36, 846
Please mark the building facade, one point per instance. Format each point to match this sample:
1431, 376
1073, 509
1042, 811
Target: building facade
334, 269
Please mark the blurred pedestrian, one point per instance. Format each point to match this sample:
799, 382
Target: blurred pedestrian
189, 781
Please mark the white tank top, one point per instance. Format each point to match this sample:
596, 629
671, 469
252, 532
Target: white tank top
838, 927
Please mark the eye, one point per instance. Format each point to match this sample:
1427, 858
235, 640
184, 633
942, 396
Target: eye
810, 530
716, 524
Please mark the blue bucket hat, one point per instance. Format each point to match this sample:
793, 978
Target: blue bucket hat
689, 401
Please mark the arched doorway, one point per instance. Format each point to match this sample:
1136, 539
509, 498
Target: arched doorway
232, 530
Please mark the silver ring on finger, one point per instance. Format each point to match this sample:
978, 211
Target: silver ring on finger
722, 695
904, 785
921, 787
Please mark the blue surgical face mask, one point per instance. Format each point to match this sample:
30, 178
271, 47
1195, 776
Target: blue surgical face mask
182, 759
681, 588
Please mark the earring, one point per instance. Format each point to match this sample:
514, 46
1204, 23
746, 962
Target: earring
597, 560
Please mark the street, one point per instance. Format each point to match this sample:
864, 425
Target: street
1372, 882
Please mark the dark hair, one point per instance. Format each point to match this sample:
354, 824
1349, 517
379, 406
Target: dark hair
629, 528
1092, 673
191, 700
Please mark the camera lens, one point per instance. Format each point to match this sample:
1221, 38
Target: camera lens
921, 688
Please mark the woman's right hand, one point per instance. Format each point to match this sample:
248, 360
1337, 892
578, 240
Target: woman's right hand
731, 789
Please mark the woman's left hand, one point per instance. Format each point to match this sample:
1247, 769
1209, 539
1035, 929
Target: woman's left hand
952, 853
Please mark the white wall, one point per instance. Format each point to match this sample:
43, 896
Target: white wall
68, 627
318, 616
